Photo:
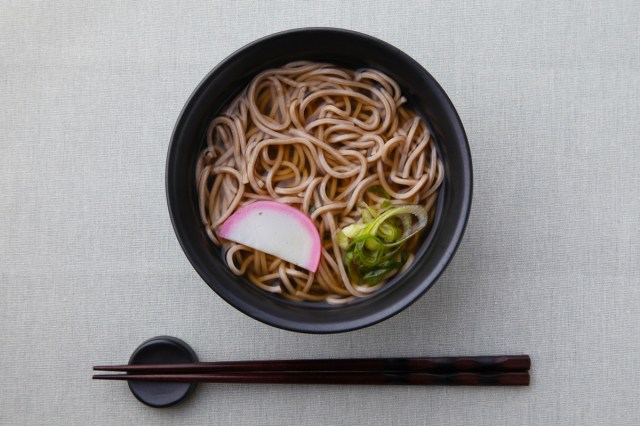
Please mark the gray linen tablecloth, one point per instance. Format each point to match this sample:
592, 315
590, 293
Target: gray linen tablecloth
550, 263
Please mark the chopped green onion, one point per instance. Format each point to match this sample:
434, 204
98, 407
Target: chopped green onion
373, 247
353, 230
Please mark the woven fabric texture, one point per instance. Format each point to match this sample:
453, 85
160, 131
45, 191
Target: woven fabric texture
549, 93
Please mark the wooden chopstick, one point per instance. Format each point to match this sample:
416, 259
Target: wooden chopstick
339, 378
501, 363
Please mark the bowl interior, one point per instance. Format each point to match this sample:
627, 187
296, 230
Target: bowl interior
351, 50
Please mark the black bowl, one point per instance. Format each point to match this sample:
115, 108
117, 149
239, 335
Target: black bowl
350, 49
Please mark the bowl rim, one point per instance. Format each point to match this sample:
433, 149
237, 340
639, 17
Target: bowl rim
378, 316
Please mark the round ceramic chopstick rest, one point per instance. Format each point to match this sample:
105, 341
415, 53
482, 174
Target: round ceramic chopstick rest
162, 350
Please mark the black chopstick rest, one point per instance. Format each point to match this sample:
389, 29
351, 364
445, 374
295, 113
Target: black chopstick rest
162, 349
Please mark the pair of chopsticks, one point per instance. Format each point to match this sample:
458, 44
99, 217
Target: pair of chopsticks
504, 370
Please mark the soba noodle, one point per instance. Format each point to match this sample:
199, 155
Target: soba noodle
322, 139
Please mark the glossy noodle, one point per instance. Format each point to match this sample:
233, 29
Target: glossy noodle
325, 140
